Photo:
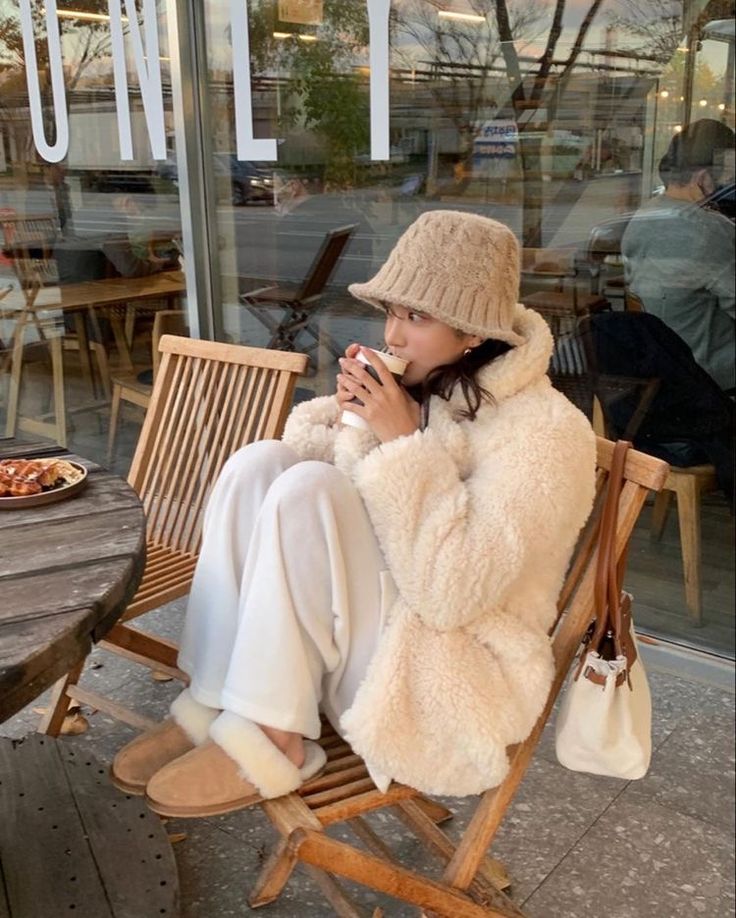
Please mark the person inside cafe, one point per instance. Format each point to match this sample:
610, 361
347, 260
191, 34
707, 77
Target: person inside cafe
399, 578
136, 252
679, 253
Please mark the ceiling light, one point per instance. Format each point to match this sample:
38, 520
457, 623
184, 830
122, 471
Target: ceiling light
703, 103
664, 94
461, 17
722, 106
304, 37
677, 128
283, 35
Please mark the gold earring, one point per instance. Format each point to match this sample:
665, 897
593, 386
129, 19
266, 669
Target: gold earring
468, 350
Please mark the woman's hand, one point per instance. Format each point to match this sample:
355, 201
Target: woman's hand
387, 406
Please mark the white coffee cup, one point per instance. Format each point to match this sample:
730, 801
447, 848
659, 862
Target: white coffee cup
397, 367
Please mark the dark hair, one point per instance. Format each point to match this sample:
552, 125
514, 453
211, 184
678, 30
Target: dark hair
442, 380
696, 147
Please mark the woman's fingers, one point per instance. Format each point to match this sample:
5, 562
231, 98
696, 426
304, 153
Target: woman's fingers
356, 370
384, 374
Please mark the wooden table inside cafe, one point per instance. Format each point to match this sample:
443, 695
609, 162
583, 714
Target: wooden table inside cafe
67, 572
75, 299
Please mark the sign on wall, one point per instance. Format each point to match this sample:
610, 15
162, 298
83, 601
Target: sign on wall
303, 12
496, 139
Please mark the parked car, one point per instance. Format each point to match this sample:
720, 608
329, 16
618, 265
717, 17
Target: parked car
119, 182
241, 181
250, 183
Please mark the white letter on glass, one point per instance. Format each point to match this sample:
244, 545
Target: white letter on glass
56, 152
149, 75
248, 147
378, 11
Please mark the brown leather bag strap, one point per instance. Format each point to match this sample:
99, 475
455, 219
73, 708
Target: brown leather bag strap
607, 588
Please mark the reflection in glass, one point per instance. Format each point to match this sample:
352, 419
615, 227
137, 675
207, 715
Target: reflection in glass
550, 117
90, 244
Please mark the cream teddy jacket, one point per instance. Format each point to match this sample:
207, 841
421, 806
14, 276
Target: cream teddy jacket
477, 521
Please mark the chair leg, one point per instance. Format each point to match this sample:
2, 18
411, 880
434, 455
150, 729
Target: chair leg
114, 416
688, 512
97, 345
492, 876
51, 722
103, 367
83, 344
274, 875
130, 317
660, 512
16, 371
332, 891
57, 363
125, 361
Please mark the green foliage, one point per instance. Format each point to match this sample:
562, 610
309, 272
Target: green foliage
325, 94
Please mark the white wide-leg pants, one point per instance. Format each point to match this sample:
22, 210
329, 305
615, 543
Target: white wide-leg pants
285, 608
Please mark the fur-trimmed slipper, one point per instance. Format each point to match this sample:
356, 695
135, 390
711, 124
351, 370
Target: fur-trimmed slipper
238, 767
138, 761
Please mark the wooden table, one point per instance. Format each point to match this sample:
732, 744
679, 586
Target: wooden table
67, 572
71, 844
75, 298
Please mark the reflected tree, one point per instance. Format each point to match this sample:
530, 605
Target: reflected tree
522, 85
324, 92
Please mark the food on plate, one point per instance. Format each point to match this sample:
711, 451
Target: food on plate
24, 477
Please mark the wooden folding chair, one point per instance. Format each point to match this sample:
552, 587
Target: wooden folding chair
559, 300
344, 793
134, 387
35, 268
298, 303
208, 400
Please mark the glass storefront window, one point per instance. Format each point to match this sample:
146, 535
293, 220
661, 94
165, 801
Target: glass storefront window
90, 237
553, 124
601, 133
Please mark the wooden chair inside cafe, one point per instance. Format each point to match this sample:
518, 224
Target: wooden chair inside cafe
208, 400
550, 286
135, 387
29, 241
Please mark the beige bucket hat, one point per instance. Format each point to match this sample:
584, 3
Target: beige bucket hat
458, 267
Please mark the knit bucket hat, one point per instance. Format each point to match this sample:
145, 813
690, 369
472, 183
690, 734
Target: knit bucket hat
460, 268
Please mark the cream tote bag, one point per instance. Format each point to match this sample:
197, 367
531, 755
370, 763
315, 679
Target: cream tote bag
604, 725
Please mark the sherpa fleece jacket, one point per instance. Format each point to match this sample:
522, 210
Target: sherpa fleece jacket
477, 521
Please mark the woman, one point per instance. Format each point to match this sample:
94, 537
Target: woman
401, 579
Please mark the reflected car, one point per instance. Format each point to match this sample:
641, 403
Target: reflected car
119, 182
241, 181
250, 183
605, 238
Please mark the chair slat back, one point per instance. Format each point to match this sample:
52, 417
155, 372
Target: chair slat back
18, 230
166, 322
642, 473
208, 400
325, 261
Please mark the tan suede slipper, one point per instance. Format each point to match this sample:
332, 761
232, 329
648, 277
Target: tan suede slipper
204, 782
208, 782
135, 764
